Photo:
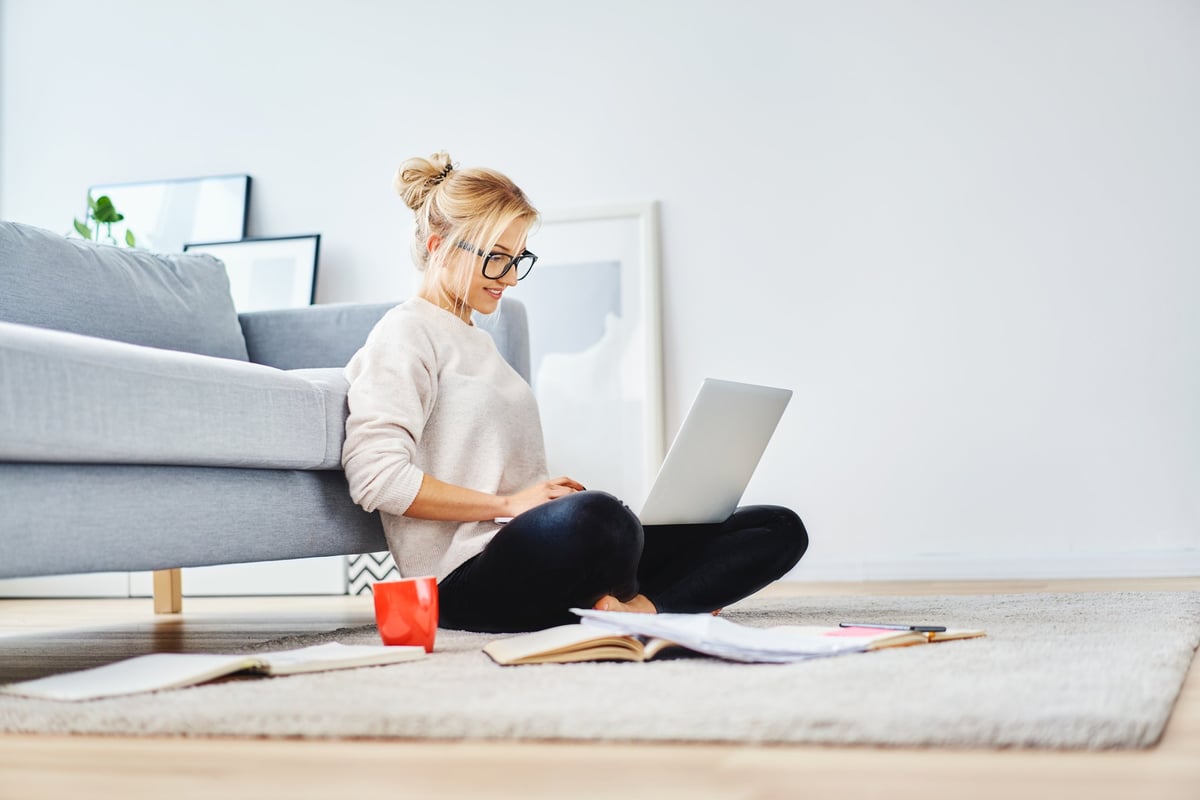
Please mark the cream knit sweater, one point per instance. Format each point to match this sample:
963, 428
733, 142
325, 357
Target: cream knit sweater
429, 393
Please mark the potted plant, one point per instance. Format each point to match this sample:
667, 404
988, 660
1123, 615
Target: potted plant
102, 212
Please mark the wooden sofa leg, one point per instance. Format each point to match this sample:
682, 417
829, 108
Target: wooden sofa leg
168, 591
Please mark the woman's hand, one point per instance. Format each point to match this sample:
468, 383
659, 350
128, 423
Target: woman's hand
539, 493
444, 501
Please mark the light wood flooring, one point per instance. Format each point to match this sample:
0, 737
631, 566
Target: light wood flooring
39, 637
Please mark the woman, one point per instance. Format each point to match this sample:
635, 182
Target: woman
444, 438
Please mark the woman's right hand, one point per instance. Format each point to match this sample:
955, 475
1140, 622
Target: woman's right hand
539, 493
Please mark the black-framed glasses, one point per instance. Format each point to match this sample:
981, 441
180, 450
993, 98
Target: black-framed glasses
497, 265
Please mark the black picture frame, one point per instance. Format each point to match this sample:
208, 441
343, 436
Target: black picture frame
165, 214
268, 272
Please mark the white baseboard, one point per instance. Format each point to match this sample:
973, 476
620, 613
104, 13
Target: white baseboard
96, 584
1030, 566
302, 576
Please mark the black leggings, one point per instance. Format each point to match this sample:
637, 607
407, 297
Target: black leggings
572, 551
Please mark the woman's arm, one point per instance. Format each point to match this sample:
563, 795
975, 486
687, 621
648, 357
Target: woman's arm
391, 394
444, 501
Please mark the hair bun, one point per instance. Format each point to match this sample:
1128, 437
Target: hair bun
417, 177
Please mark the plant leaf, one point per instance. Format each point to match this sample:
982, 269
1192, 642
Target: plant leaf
129, 240
83, 230
105, 212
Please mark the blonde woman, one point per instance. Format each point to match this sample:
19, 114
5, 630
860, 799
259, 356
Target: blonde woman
444, 437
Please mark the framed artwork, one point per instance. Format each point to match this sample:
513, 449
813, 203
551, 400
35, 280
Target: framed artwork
163, 215
596, 346
268, 272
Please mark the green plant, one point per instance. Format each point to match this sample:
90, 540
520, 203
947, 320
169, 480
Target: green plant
102, 212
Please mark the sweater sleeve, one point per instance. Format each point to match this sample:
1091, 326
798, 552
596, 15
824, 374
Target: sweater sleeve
393, 386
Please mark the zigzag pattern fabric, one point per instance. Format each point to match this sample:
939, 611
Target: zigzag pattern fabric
368, 568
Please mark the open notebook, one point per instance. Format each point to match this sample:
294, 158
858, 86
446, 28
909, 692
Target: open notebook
159, 671
621, 636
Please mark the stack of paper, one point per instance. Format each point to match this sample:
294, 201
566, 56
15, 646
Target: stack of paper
719, 637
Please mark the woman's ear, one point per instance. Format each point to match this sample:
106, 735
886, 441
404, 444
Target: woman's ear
433, 243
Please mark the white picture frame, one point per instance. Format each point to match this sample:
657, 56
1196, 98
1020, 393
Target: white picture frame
595, 320
269, 272
164, 215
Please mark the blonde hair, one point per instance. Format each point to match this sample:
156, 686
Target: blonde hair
473, 205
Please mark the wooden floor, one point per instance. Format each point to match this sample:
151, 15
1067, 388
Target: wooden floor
39, 637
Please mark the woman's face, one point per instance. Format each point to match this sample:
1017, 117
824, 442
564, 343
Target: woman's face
483, 293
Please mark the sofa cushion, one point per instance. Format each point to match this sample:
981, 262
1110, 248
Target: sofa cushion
332, 384
312, 336
66, 398
173, 301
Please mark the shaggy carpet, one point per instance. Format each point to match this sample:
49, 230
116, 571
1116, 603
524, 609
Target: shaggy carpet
1074, 671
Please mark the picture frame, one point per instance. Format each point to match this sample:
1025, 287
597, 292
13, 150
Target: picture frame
164, 215
268, 272
594, 308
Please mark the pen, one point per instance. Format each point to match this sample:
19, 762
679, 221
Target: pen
893, 627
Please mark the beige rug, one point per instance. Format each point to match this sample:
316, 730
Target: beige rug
1099, 670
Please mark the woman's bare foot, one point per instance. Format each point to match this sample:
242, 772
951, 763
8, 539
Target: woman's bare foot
638, 605
717, 613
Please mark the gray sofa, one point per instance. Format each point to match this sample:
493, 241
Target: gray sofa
145, 425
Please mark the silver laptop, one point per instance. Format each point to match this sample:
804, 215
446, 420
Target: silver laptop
715, 453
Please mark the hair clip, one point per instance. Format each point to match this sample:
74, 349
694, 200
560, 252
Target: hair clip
441, 176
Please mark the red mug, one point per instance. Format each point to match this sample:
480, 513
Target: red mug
406, 611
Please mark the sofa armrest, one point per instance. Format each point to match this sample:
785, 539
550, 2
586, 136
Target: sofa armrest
329, 335
309, 337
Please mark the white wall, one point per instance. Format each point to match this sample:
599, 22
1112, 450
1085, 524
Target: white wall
964, 233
